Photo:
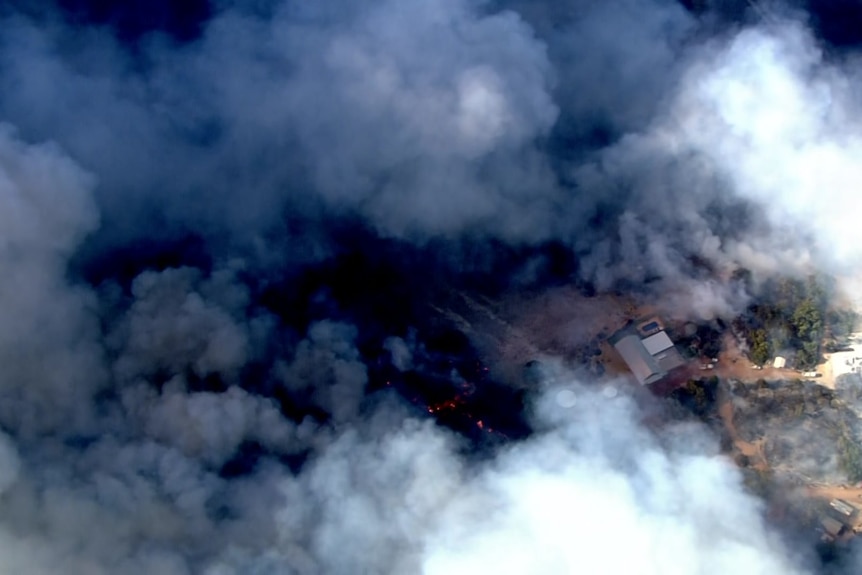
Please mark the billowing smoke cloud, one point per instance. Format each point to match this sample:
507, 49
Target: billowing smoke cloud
391, 494
327, 366
242, 410
409, 504
768, 98
751, 164
771, 99
605, 87
421, 117
52, 362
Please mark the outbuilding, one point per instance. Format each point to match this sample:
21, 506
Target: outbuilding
832, 527
639, 360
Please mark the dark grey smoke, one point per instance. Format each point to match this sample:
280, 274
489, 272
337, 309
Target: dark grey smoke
227, 237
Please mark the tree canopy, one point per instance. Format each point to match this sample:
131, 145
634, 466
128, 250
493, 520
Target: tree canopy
789, 315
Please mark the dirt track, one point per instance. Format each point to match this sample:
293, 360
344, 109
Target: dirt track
558, 323
849, 494
733, 363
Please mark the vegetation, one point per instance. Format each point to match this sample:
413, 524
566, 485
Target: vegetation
704, 342
698, 396
806, 431
849, 450
792, 316
850, 454
840, 323
758, 341
758, 481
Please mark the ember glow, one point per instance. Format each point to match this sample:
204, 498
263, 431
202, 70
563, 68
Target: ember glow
326, 287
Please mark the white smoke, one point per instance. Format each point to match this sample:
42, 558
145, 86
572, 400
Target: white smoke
593, 492
783, 125
123, 408
761, 118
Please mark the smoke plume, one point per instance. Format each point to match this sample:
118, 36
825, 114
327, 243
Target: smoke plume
234, 244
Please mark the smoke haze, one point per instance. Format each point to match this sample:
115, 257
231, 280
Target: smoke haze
226, 236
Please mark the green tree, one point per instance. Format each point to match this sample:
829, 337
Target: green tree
807, 325
807, 321
760, 352
851, 456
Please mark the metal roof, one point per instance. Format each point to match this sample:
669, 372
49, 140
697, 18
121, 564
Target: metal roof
832, 526
638, 359
842, 507
657, 343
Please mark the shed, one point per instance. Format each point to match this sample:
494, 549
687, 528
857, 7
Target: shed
832, 527
842, 507
779, 362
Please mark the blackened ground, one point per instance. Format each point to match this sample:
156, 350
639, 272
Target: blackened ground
387, 287
699, 397
383, 288
97, 265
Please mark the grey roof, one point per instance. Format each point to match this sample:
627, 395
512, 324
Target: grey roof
657, 343
638, 359
842, 506
832, 526
669, 359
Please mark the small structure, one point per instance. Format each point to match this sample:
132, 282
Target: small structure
832, 527
842, 507
650, 326
636, 356
779, 362
657, 343
650, 358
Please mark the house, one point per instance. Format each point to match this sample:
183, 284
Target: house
649, 358
639, 360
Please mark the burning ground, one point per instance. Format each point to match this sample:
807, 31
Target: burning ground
273, 271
